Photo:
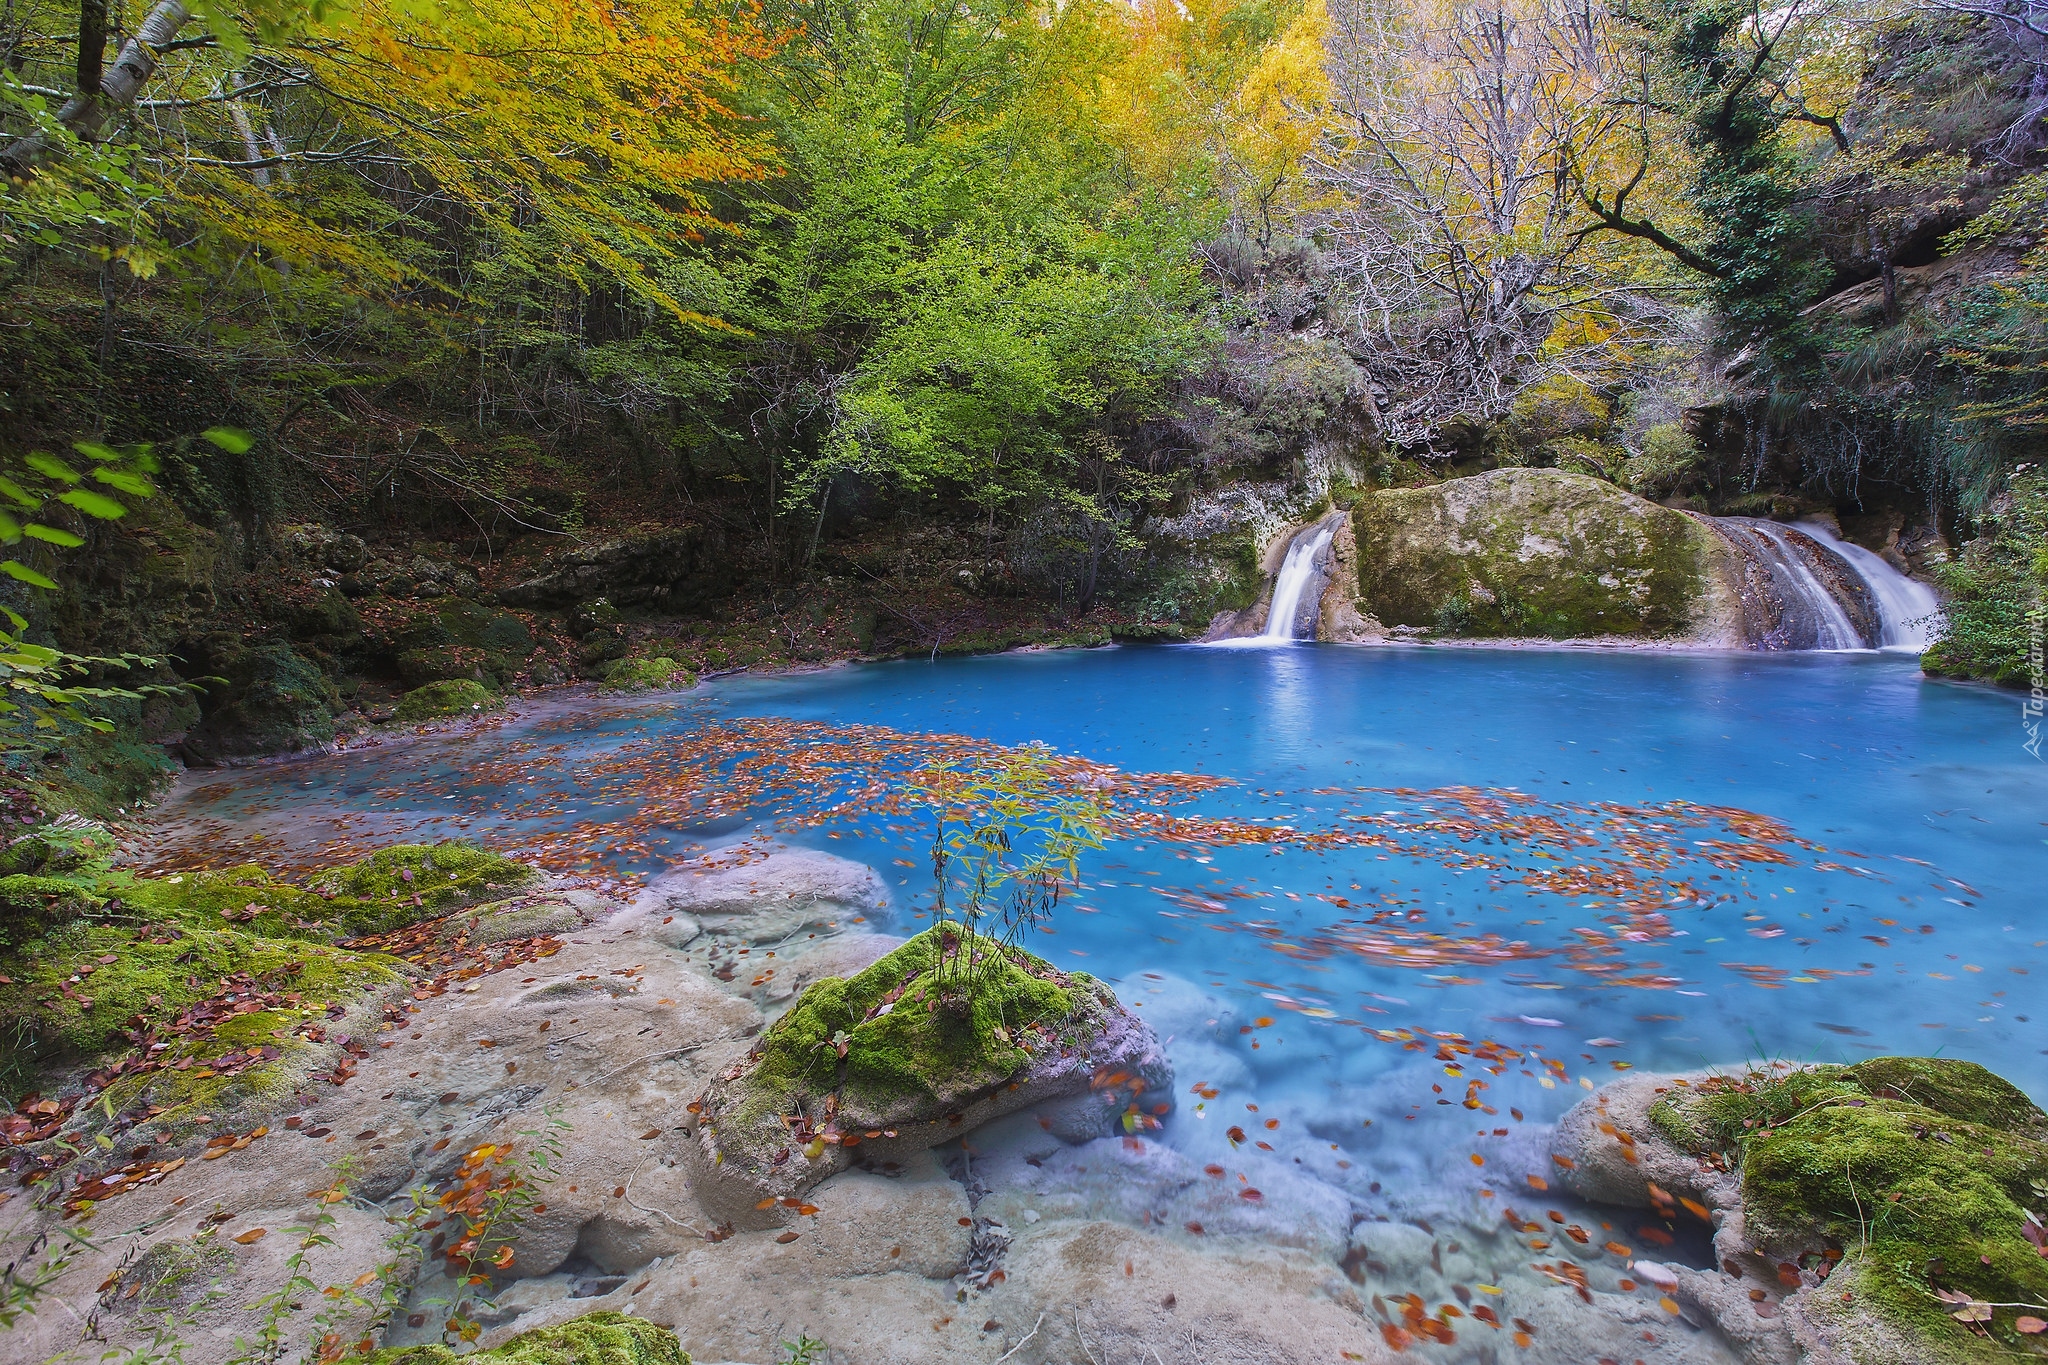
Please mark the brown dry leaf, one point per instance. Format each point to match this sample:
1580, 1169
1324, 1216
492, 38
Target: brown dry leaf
650, 1134
252, 1236
786, 1238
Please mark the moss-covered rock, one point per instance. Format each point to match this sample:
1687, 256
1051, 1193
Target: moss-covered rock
636, 675
600, 1339
458, 697
97, 959
1920, 1172
460, 639
906, 1054
1533, 552
269, 700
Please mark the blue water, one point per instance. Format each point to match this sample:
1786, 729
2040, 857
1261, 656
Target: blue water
1913, 922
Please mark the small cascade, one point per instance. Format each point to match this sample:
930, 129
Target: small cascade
1298, 587
1800, 594
1908, 613
1294, 609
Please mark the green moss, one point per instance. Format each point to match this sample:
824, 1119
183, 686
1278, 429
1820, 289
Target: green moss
31, 906
633, 675
460, 696
406, 882
68, 1004
1529, 552
1926, 1168
927, 1044
128, 954
600, 1339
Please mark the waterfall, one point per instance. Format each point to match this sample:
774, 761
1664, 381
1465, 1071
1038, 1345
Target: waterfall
1302, 569
1908, 613
1787, 591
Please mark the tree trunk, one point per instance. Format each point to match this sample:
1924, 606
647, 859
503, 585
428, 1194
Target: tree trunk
92, 45
84, 114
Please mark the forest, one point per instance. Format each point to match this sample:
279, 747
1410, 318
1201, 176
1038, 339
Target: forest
851, 681
909, 327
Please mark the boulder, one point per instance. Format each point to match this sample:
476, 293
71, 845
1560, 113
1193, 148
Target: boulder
455, 697
268, 700
1845, 1199
1538, 552
680, 572
910, 1052
461, 639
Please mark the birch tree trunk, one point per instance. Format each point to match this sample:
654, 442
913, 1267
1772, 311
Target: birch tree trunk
84, 114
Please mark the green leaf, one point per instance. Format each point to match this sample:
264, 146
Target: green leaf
93, 504
50, 466
14, 568
10, 529
20, 622
233, 440
48, 534
132, 484
15, 491
93, 450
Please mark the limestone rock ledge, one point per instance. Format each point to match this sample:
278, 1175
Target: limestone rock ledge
877, 1068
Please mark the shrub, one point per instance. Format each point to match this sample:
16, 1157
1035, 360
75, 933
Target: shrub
1669, 457
1993, 587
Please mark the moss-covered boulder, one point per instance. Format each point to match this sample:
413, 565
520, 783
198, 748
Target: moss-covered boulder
640, 675
461, 639
267, 699
1535, 552
599, 1339
458, 697
918, 1048
1887, 1197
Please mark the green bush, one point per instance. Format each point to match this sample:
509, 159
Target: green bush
457, 696
1999, 580
1669, 457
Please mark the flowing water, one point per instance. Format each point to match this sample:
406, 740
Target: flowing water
1807, 614
1906, 607
1571, 863
1297, 588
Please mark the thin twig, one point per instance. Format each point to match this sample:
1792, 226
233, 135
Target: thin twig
628, 1197
1026, 1337
1083, 1340
658, 1056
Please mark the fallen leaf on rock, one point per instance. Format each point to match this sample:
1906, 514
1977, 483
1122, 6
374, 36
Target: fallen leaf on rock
252, 1236
786, 1238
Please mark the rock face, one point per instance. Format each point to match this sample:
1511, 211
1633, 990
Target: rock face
1521, 552
684, 571
879, 1067
1844, 1200
272, 701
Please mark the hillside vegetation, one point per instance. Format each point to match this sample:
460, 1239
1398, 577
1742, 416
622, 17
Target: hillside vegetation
637, 340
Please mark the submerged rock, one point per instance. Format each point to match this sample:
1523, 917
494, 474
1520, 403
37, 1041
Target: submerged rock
904, 1055
1539, 552
1881, 1213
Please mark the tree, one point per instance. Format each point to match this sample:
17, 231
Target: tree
1472, 276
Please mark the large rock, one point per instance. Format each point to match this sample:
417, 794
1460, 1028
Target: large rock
1843, 1199
1540, 552
265, 699
682, 572
876, 1068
